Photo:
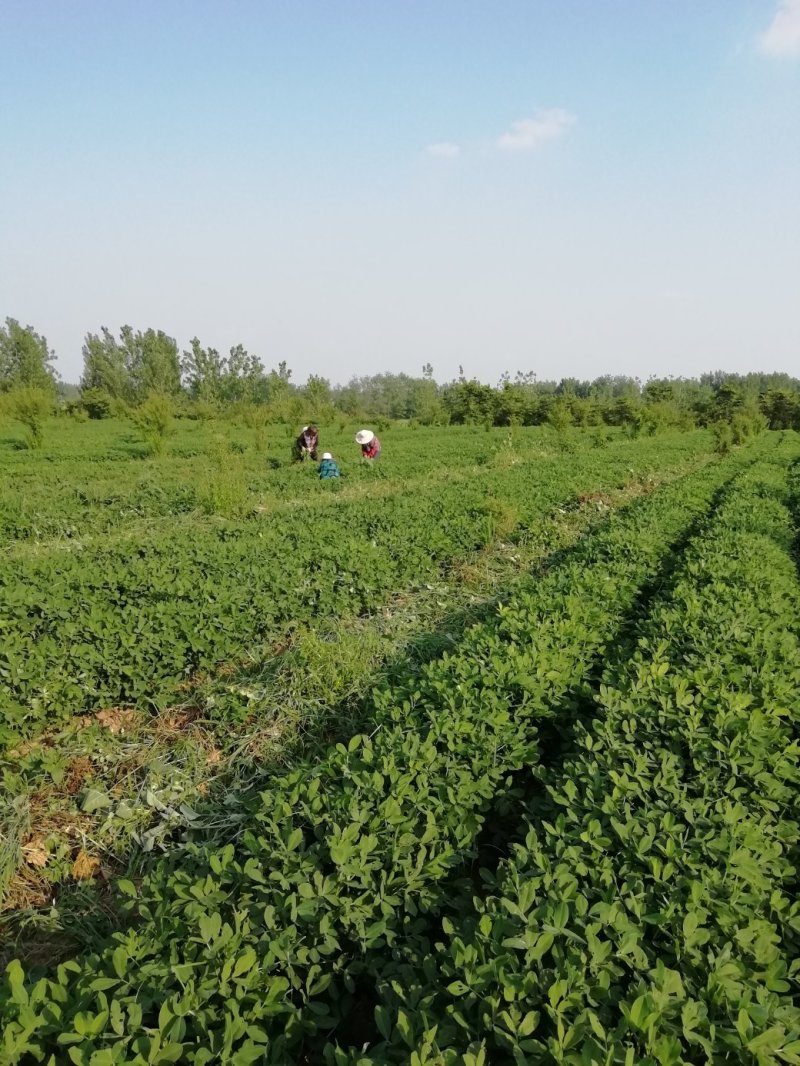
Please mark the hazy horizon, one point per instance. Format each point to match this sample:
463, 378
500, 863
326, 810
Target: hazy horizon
568, 189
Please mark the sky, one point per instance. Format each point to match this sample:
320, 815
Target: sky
570, 187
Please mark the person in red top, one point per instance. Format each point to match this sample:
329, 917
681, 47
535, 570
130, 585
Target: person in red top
370, 445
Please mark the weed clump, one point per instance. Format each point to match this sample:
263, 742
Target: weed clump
154, 420
224, 492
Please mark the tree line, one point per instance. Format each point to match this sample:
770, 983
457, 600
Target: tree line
136, 369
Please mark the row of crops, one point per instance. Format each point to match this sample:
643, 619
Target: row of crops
572, 839
128, 619
96, 479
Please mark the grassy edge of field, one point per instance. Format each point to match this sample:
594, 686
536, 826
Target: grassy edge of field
124, 783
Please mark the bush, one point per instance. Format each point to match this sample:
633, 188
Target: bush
74, 409
31, 407
224, 491
746, 424
560, 416
97, 403
153, 419
723, 437
503, 518
200, 410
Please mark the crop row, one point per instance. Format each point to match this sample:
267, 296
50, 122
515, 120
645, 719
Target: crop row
92, 480
252, 951
651, 913
130, 621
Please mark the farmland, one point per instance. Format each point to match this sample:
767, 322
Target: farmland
487, 753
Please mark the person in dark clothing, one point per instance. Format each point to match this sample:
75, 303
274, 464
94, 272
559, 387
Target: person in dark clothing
328, 467
370, 445
306, 444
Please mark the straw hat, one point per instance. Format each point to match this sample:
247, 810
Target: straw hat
327, 455
365, 436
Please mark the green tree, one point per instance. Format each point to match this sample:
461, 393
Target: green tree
658, 390
625, 411
244, 379
560, 414
426, 406
317, 393
781, 407
25, 359
213, 378
279, 393
105, 367
153, 363
470, 402
203, 372
133, 367
728, 400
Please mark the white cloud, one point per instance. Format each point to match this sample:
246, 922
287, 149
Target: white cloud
783, 36
545, 125
444, 150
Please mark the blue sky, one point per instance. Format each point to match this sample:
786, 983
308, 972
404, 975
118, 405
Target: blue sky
573, 188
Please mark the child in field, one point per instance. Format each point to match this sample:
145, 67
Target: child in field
370, 445
328, 467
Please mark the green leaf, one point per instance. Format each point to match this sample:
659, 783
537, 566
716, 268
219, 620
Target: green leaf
596, 1025
528, 1023
640, 1011
543, 944
770, 1040
295, 840
247, 1054
16, 981
405, 1028
119, 960
383, 1020
246, 961
95, 801
457, 988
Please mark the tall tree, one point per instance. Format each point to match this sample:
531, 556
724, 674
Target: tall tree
133, 367
245, 378
203, 372
25, 359
781, 408
216, 378
105, 366
152, 359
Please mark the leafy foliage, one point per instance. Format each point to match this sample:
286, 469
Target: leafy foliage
31, 407
129, 619
350, 870
153, 419
25, 360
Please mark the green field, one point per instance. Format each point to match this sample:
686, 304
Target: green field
487, 753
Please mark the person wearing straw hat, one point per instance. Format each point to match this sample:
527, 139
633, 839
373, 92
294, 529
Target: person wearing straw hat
306, 444
370, 445
328, 467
